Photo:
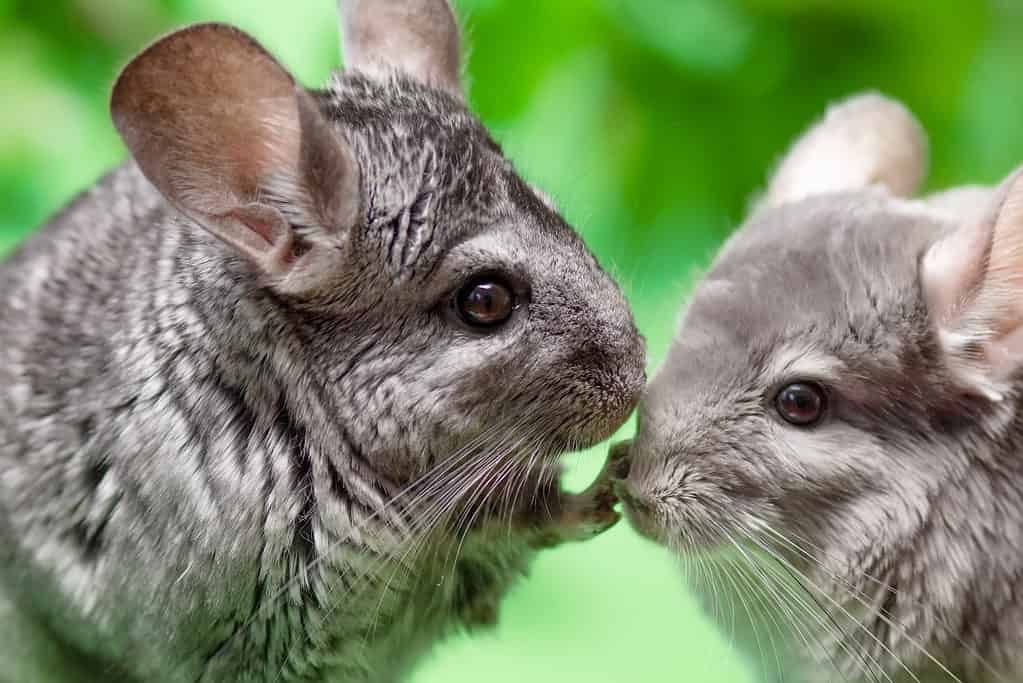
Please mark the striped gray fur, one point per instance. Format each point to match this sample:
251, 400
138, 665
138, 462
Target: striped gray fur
881, 540
205, 476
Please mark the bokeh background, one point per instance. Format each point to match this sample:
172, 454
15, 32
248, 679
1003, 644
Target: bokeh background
651, 122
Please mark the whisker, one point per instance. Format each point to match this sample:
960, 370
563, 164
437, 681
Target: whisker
882, 585
822, 618
441, 495
760, 599
724, 566
763, 579
741, 584
781, 585
800, 576
272, 600
483, 465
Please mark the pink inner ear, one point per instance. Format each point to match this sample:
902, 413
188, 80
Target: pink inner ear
229, 138
271, 228
1005, 269
209, 115
953, 271
973, 283
258, 232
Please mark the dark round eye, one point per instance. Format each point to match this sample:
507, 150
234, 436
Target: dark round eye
801, 403
485, 302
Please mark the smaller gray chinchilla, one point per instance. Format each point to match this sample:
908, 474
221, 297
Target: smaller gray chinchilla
838, 424
281, 398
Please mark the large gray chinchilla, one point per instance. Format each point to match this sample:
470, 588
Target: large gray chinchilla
839, 420
281, 398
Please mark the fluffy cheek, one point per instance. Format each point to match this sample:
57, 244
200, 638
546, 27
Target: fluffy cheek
844, 490
832, 459
469, 400
399, 411
494, 386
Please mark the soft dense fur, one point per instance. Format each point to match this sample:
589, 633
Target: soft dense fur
884, 542
243, 434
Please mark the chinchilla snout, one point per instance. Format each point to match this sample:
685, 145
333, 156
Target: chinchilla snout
638, 504
612, 353
627, 380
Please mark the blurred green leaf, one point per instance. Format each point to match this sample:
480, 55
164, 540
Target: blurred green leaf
708, 36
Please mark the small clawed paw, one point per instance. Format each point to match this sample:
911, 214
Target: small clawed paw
592, 512
618, 460
593, 523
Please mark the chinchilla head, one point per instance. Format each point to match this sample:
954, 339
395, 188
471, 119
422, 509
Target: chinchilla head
408, 277
813, 301
843, 382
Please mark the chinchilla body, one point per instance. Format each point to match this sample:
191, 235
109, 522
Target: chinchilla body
176, 449
252, 424
838, 426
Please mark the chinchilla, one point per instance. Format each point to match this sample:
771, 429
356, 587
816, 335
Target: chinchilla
281, 398
838, 424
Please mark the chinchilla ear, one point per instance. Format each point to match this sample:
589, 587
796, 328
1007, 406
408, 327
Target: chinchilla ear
866, 140
227, 136
972, 280
418, 37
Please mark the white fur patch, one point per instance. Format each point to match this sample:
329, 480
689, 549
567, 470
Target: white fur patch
803, 363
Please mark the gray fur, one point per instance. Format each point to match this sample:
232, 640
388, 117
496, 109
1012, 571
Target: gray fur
202, 469
904, 506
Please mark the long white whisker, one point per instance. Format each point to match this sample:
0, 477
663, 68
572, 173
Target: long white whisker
781, 585
788, 566
881, 584
741, 585
760, 599
826, 622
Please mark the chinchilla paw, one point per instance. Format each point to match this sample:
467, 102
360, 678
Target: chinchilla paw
590, 513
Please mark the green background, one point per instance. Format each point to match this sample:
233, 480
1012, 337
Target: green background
651, 122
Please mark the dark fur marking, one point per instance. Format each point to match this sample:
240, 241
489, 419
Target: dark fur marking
86, 428
89, 536
294, 434
356, 359
95, 472
395, 230
417, 214
244, 419
339, 489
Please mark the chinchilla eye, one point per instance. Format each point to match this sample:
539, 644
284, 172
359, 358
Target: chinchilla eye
485, 301
801, 403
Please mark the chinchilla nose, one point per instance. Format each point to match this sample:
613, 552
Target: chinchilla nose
615, 359
625, 354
